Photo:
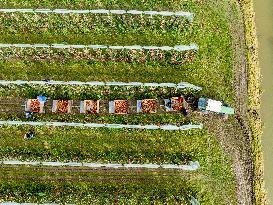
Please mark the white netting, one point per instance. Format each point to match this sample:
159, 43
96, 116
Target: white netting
134, 47
191, 167
98, 125
182, 85
187, 15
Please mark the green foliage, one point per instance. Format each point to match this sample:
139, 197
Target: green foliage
212, 70
150, 189
37, 23
134, 119
106, 145
79, 92
124, 55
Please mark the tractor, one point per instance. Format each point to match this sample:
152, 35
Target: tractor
206, 105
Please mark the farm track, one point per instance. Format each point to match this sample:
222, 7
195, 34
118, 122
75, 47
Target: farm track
241, 153
232, 138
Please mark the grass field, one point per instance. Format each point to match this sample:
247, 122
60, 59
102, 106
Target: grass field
123, 146
212, 69
99, 186
105, 145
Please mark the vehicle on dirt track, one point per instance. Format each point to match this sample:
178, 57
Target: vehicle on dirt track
207, 105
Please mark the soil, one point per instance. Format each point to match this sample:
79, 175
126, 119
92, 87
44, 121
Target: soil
238, 144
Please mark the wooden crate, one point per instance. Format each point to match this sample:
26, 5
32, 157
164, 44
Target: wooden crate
119, 106
62, 106
35, 106
147, 106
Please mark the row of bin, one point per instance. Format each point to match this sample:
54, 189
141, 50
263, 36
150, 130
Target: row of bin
115, 106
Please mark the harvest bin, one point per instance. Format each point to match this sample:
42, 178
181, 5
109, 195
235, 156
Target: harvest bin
34, 105
119, 106
62, 106
147, 106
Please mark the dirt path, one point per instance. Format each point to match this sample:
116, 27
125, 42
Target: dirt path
234, 135
241, 152
240, 70
263, 14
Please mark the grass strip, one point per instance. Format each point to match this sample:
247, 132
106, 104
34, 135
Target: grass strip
134, 119
102, 145
79, 92
36, 23
149, 189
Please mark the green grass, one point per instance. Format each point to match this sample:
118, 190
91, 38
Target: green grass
105, 145
98, 186
138, 146
212, 70
135, 119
